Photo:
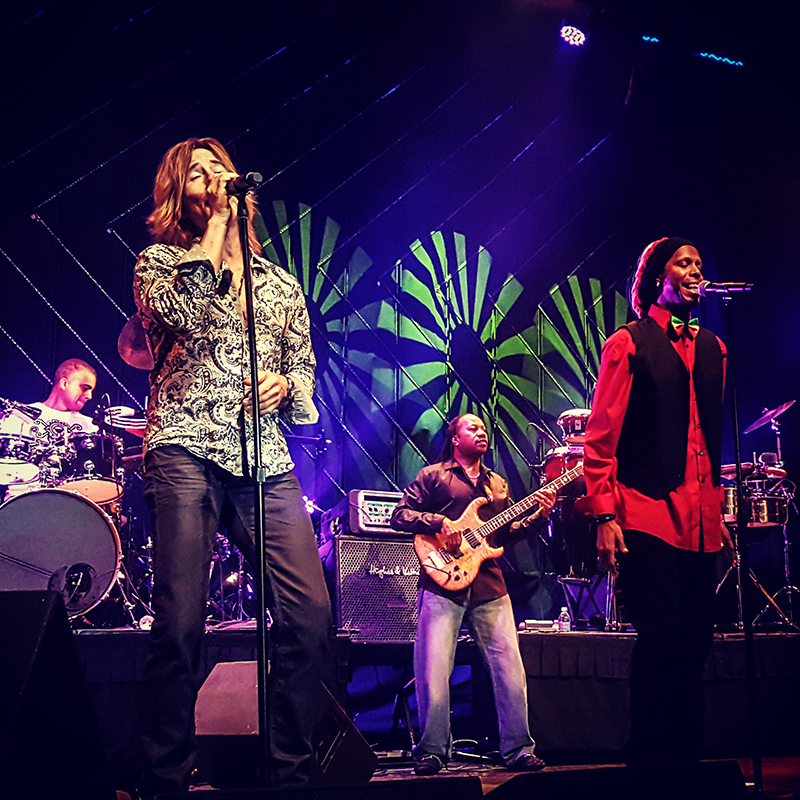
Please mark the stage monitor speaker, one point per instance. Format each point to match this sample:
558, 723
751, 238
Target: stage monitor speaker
669, 781
48, 734
373, 586
226, 720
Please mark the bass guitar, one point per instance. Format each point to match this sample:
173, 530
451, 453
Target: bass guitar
456, 569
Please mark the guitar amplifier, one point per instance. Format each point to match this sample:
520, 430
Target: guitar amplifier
373, 586
361, 512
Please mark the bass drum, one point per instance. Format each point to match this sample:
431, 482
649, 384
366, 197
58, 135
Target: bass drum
61, 541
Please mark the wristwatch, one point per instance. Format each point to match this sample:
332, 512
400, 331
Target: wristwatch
289, 391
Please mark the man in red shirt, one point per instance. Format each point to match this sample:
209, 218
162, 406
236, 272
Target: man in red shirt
652, 466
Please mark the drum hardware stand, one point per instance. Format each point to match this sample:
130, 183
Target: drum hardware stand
771, 599
242, 583
124, 577
586, 588
237, 614
788, 589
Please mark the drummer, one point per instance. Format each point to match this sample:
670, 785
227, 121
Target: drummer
58, 417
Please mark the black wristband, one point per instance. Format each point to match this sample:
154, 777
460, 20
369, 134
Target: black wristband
287, 400
602, 518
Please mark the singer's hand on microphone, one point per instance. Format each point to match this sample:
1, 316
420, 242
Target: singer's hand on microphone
221, 205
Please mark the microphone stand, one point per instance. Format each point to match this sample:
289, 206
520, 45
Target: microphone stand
259, 479
742, 518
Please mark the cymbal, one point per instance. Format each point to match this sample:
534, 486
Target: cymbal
749, 469
133, 346
729, 470
768, 416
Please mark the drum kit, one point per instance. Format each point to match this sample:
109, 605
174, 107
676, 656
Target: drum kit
767, 496
61, 515
63, 526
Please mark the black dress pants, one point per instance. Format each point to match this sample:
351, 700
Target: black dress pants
669, 597
188, 498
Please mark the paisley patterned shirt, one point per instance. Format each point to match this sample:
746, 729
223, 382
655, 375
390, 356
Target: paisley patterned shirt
196, 330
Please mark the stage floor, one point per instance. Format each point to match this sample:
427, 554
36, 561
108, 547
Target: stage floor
577, 691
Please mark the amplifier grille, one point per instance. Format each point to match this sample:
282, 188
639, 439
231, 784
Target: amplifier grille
376, 588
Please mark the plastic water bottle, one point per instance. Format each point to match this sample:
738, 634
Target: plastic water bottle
564, 621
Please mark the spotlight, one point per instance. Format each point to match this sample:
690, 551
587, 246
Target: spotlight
573, 36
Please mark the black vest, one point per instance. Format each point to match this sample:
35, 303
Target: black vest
651, 453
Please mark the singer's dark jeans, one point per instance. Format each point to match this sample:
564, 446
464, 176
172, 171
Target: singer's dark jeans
669, 597
188, 498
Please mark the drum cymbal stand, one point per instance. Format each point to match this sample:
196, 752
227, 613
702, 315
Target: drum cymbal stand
788, 589
736, 568
126, 521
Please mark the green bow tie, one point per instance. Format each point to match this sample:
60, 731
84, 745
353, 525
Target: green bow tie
678, 325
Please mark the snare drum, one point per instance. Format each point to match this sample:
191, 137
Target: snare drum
765, 510
93, 467
573, 423
20, 457
56, 540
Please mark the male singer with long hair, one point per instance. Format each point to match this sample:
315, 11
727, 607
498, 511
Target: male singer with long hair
199, 459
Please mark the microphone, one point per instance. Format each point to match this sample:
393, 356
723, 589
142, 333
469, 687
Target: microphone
100, 412
244, 183
706, 287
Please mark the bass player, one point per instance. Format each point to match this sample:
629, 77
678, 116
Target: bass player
439, 504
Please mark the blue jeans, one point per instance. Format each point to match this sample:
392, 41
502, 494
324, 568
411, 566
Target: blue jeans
188, 499
492, 627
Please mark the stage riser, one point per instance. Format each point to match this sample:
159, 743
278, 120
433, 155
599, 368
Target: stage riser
577, 689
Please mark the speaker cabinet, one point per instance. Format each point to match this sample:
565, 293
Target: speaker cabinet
48, 735
226, 721
373, 586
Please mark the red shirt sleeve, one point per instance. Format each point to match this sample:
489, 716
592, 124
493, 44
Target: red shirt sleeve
605, 423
